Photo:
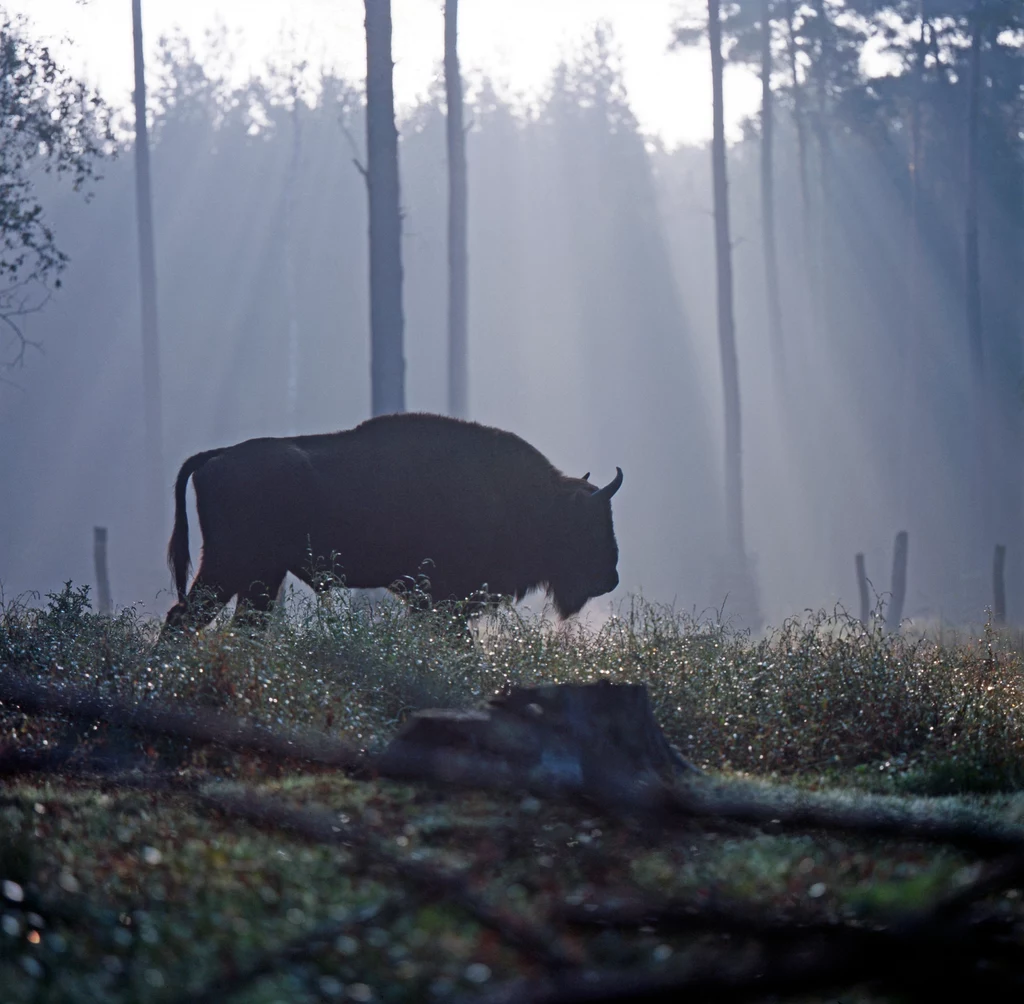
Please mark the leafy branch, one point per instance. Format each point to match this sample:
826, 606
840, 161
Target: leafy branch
50, 121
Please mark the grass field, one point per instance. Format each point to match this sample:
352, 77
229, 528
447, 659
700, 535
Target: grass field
134, 868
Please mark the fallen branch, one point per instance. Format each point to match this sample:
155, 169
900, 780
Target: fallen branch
711, 913
808, 967
117, 768
938, 949
668, 805
1000, 876
804, 956
323, 826
202, 727
27, 760
303, 948
966, 831
615, 793
945, 923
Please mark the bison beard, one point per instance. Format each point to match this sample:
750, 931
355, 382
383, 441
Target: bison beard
481, 507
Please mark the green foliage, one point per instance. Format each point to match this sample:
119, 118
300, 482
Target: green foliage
119, 894
819, 696
48, 120
68, 641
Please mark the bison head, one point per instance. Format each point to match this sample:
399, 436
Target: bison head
585, 552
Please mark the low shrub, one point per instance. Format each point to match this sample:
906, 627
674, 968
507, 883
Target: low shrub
819, 695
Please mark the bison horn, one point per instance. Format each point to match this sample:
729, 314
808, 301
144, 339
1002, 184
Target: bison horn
611, 488
586, 477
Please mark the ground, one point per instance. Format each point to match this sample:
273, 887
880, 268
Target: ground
854, 781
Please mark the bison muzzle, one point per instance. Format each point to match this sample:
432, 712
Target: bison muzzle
471, 507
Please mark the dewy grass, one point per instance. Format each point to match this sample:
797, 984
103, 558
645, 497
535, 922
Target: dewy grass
117, 892
818, 696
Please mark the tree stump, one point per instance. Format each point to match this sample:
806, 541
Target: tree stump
104, 604
894, 617
862, 588
599, 737
999, 585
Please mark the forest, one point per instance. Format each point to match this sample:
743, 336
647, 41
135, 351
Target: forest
782, 760
593, 328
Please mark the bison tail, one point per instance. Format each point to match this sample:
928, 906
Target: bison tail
177, 550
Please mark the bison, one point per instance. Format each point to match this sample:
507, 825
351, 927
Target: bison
481, 507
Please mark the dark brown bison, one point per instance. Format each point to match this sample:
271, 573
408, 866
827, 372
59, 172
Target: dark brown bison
481, 507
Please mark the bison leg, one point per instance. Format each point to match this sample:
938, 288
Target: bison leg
205, 600
214, 585
255, 601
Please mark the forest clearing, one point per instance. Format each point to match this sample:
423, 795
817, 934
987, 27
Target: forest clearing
856, 817
762, 260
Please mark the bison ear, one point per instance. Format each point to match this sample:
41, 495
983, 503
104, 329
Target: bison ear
586, 477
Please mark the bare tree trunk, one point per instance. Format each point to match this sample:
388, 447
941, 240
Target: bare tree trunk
771, 264
914, 283
458, 254
290, 270
971, 256
823, 251
387, 361
999, 584
155, 500
104, 603
800, 121
862, 589
912, 341
981, 476
726, 322
900, 550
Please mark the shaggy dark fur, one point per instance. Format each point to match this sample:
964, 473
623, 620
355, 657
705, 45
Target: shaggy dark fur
482, 507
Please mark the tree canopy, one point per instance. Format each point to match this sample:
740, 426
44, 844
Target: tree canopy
49, 121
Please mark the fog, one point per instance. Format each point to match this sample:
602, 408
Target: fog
592, 335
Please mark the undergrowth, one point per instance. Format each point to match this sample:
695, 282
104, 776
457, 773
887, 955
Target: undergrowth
149, 889
820, 697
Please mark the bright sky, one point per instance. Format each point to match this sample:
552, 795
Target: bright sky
517, 42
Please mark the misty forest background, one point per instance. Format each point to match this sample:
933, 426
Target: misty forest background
592, 305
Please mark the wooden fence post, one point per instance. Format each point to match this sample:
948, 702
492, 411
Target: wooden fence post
899, 582
862, 588
999, 585
104, 604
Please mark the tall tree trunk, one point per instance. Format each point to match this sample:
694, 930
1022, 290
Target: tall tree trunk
808, 259
912, 340
290, 269
916, 158
726, 322
800, 121
771, 263
823, 251
981, 477
916, 151
458, 254
1013, 425
972, 265
387, 361
155, 495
